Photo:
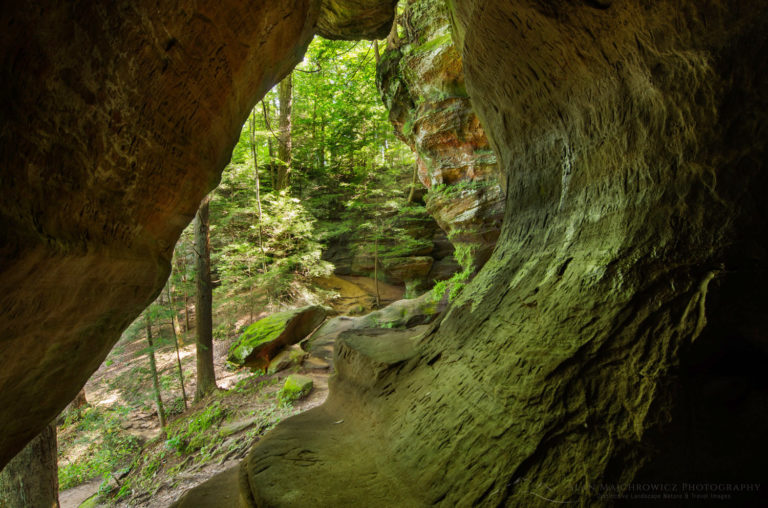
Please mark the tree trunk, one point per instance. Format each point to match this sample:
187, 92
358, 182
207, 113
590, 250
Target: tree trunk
270, 145
414, 180
206, 377
254, 155
183, 269
30, 479
153, 371
376, 265
321, 165
284, 150
176, 343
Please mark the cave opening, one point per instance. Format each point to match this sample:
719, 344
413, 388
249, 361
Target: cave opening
629, 141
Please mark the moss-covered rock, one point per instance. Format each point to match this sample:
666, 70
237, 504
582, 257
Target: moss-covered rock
286, 359
405, 313
261, 341
296, 387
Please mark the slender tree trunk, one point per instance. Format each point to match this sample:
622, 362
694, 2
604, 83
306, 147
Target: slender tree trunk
176, 343
206, 376
376, 265
153, 371
285, 148
270, 146
186, 308
30, 479
414, 181
258, 188
172, 308
376, 52
322, 142
183, 268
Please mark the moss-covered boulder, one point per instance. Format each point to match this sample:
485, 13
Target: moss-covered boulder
286, 359
265, 338
296, 387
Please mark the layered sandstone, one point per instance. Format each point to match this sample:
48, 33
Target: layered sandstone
421, 79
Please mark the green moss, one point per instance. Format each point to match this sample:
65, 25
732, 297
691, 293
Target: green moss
261, 332
295, 388
408, 126
440, 41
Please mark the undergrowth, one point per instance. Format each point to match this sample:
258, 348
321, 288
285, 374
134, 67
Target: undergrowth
107, 446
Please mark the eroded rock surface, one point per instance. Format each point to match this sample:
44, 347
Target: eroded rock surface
407, 313
421, 79
355, 19
407, 253
597, 346
117, 118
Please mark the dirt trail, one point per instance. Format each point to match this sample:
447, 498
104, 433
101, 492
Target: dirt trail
74, 497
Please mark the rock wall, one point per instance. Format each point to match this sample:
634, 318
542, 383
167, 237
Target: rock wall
117, 118
618, 332
421, 79
413, 252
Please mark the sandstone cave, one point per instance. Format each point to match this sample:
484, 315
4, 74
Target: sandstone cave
610, 348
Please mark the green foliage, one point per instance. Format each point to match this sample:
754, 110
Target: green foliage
345, 166
190, 434
107, 445
458, 281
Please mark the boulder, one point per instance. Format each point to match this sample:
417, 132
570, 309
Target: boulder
405, 313
285, 359
261, 341
295, 387
321, 343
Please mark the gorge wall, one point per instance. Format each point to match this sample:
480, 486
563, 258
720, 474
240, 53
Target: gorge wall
617, 331
117, 118
616, 334
421, 79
